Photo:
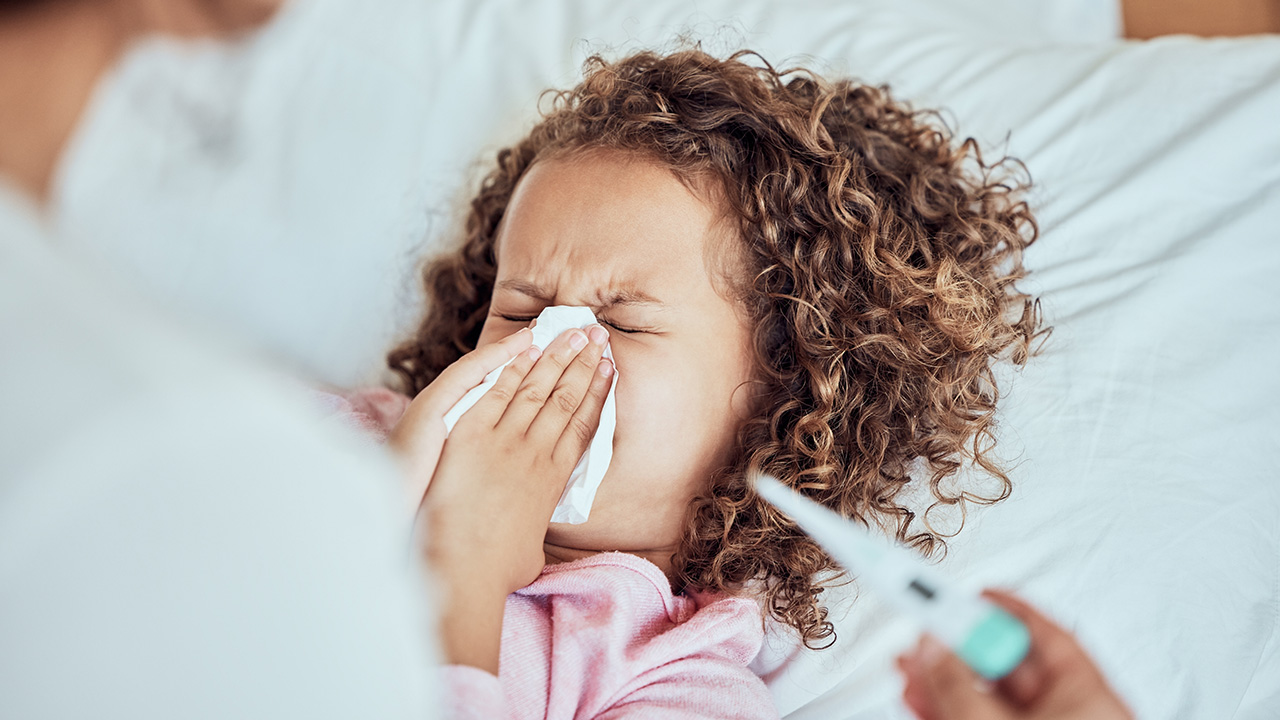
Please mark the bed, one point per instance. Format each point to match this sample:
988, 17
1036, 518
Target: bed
287, 201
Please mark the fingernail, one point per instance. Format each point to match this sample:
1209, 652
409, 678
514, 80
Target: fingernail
534, 351
577, 340
523, 331
605, 367
598, 335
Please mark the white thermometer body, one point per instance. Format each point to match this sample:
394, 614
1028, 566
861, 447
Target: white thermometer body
985, 636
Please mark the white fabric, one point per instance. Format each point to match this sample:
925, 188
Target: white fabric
574, 506
1146, 504
177, 537
283, 186
1042, 21
1145, 507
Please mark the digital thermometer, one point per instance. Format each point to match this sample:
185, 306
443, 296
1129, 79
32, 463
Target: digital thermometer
988, 639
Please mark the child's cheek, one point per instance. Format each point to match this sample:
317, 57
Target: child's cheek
656, 422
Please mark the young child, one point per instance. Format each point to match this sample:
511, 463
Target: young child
794, 275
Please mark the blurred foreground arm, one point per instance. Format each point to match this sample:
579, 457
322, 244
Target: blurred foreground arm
179, 538
1145, 19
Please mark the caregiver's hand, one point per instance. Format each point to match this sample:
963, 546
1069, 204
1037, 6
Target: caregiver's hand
419, 436
1057, 680
502, 471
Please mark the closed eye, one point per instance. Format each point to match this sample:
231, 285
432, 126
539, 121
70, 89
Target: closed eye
527, 320
619, 328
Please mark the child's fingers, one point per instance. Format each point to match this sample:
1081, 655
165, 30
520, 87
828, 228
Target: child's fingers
537, 386
570, 389
471, 369
489, 408
579, 430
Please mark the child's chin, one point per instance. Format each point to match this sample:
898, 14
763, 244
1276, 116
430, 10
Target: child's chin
579, 536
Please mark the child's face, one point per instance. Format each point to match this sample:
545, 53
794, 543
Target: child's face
627, 239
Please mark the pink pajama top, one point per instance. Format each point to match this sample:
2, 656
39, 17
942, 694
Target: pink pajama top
601, 637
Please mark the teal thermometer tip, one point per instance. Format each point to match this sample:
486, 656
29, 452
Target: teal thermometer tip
995, 645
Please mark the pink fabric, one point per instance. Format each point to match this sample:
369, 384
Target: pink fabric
602, 637
373, 411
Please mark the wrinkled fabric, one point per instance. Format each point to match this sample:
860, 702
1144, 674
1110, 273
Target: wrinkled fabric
604, 637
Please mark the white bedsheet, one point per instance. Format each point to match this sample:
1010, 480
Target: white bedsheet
1146, 511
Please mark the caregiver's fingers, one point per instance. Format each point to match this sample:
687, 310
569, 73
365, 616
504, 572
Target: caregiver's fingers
569, 391
535, 391
940, 686
579, 430
471, 369
1057, 671
1056, 680
1055, 654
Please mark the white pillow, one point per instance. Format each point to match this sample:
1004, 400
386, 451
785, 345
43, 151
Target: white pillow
1145, 509
1146, 515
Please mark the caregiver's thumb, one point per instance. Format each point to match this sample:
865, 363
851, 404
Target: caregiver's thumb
941, 687
1056, 681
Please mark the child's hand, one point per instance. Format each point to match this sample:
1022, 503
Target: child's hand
502, 471
508, 459
419, 436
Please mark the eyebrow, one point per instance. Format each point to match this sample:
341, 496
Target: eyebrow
612, 298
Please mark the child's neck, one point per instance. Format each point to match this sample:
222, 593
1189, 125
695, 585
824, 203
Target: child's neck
559, 554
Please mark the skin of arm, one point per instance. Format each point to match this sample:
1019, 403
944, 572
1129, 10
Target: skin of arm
1144, 19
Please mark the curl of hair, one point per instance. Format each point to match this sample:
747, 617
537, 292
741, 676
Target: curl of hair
875, 258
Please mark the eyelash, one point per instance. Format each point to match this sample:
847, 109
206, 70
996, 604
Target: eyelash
606, 322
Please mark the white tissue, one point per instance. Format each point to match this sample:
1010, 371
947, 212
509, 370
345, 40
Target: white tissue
580, 492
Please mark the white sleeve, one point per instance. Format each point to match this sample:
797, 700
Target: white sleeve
178, 537
147, 571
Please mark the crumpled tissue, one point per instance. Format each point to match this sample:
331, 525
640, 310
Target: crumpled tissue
580, 491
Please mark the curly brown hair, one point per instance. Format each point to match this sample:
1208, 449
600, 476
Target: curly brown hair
876, 263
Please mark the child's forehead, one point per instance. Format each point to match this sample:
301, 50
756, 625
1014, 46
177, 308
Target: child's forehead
632, 222
608, 190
